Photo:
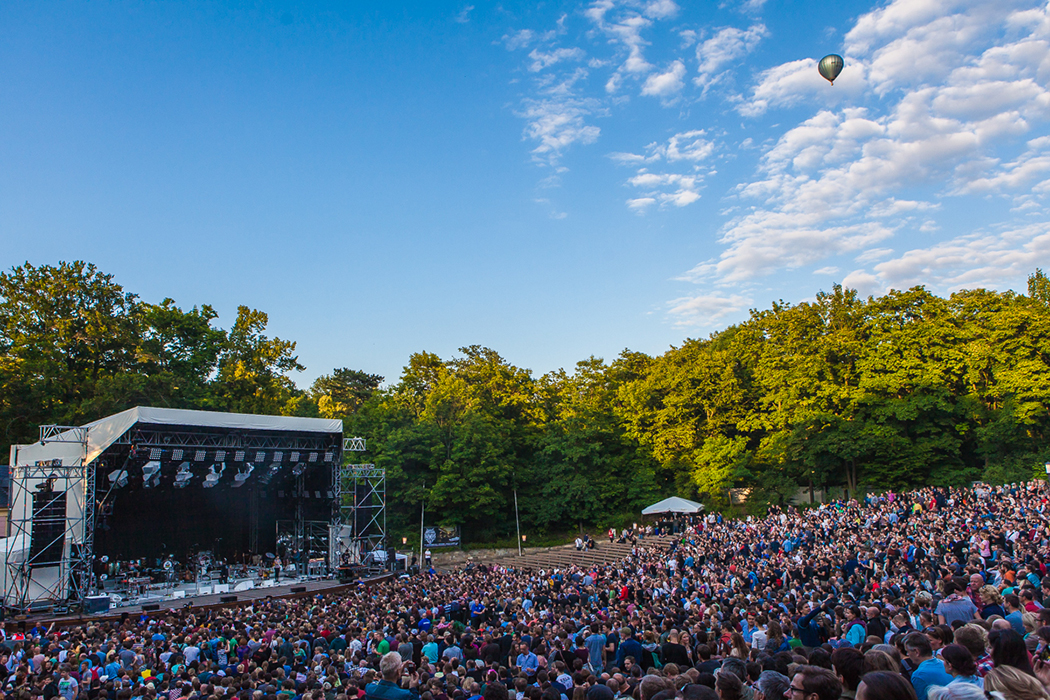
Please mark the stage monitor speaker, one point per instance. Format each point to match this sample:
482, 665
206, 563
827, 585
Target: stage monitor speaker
150, 607
96, 604
228, 599
298, 589
47, 539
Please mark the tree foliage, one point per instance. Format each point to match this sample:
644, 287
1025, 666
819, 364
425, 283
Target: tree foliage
886, 392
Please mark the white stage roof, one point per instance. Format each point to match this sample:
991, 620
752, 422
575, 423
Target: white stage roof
103, 433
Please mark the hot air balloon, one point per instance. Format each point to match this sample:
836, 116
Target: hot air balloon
830, 66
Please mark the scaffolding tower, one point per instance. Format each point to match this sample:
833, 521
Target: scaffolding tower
52, 519
362, 515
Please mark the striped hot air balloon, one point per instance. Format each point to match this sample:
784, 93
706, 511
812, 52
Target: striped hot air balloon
830, 66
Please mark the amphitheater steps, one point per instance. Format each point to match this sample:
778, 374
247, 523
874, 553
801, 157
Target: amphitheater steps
566, 556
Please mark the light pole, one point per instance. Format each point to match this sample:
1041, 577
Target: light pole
422, 514
517, 523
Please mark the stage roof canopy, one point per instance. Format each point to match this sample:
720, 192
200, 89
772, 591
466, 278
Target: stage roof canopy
674, 504
103, 433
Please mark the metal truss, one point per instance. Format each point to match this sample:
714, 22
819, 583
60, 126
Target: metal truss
354, 444
364, 506
36, 580
163, 438
62, 433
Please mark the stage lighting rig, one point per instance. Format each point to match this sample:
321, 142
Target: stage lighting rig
213, 476
298, 469
151, 474
118, 478
183, 476
243, 474
266, 478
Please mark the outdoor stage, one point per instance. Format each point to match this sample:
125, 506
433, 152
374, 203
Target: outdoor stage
156, 506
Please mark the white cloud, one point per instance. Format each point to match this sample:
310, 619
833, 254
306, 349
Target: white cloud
519, 39
660, 9
641, 204
724, 48
665, 85
558, 124
560, 104
845, 179
974, 260
688, 148
705, 310
829, 270
541, 60
873, 254
796, 81
464, 15
666, 188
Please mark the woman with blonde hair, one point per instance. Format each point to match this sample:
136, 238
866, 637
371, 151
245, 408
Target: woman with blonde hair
1014, 684
991, 602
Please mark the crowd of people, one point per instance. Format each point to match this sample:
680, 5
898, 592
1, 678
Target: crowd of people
934, 594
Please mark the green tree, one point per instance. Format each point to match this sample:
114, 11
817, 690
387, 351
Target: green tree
253, 369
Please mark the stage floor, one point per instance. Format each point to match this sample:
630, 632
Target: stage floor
203, 601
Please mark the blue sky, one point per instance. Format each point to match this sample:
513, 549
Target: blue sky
551, 180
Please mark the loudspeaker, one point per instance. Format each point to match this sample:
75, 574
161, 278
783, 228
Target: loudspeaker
150, 607
47, 539
298, 589
228, 599
96, 604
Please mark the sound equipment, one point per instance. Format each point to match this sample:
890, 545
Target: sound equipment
228, 599
298, 589
47, 539
96, 604
150, 607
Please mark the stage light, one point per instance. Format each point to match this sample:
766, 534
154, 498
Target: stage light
176, 455
242, 475
270, 474
183, 475
312, 457
260, 456
329, 456
298, 469
295, 456
238, 456
156, 453
199, 457
278, 456
213, 475
150, 472
220, 455
118, 478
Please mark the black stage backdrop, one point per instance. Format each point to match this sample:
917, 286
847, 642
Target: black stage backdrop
154, 523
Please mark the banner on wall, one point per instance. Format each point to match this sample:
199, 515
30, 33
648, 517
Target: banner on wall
434, 536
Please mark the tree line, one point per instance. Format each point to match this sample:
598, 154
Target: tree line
901, 390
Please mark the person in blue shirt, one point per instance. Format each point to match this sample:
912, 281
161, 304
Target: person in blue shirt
1014, 613
629, 646
477, 610
527, 661
387, 689
928, 670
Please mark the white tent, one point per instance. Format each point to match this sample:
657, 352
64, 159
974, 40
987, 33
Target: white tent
674, 504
